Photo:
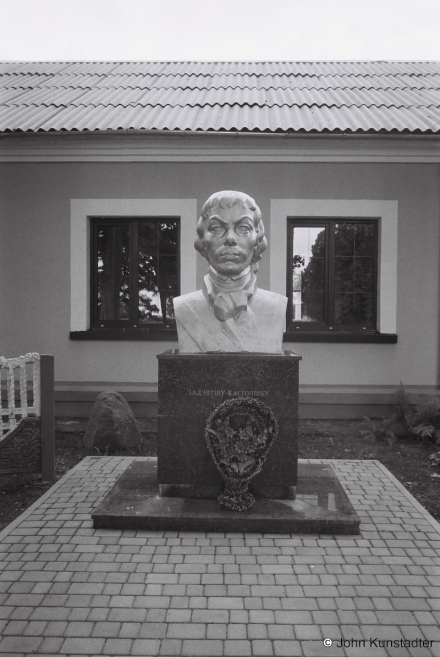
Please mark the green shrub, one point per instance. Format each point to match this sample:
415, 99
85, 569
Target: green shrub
377, 429
419, 421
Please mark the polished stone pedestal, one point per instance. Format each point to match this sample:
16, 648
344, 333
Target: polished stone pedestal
190, 386
321, 507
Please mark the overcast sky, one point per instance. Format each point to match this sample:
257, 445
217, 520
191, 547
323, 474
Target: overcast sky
219, 29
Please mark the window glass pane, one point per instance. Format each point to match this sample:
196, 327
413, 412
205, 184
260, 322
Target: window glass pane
354, 273
364, 239
148, 238
364, 274
308, 274
113, 272
344, 274
149, 300
167, 273
168, 237
347, 298
157, 279
363, 308
344, 239
354, 309
343, 308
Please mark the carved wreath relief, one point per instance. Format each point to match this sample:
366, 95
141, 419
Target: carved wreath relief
239, 434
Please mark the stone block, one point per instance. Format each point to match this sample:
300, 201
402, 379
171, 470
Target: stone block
190, 386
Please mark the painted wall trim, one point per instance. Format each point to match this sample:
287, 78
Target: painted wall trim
80, 212
385, 211
150, 148
312, 389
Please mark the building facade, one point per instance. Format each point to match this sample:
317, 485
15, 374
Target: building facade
89, 191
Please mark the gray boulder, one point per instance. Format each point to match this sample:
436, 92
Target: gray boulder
112, 425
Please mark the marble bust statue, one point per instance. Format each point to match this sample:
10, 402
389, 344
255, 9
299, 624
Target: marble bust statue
230, 313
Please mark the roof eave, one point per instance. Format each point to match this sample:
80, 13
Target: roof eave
325, 134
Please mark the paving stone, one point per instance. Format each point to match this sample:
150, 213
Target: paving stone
210, 616
171, 647
23, 600
225, 603
257, 631
294, 617
237, 647
82, 646
106, 629
15, 627
425, 618
325, 617
299, 603
237, 631
35, 628
145, 647
288, 649
51, 646
117, 647
307, 632
80, 629
204, 648
186, 631
430, 632
281, 632
263, 648
178, 616
216, 631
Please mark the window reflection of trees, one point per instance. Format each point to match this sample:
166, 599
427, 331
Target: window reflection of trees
313, 282
352, 271
113, 272
157, 271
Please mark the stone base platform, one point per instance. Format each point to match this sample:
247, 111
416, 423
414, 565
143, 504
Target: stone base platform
321, 507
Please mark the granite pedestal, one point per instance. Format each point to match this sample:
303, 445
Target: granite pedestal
190, 386
321, 507
177, 491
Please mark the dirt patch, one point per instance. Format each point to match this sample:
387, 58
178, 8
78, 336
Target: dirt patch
328, 439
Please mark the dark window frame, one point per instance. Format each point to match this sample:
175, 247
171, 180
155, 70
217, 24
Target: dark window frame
123, 328
327, 330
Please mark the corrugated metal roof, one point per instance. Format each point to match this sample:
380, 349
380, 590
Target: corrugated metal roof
380, 96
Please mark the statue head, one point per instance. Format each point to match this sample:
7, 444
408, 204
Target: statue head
230, 232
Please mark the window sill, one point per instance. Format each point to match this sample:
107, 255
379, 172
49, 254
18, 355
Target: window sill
163, 335
170, 335
340, 336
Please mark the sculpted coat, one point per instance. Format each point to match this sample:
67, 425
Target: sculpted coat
199, 329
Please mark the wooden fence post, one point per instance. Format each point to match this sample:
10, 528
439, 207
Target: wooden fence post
47, 418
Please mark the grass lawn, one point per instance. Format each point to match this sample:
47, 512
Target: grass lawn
329, 439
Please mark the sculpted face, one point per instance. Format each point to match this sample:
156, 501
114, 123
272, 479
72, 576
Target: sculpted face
230, 239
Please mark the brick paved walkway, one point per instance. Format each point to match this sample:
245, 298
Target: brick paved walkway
67, 589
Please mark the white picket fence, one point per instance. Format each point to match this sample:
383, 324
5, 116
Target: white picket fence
12, 414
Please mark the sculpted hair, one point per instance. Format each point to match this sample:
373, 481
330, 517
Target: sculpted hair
227, 199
